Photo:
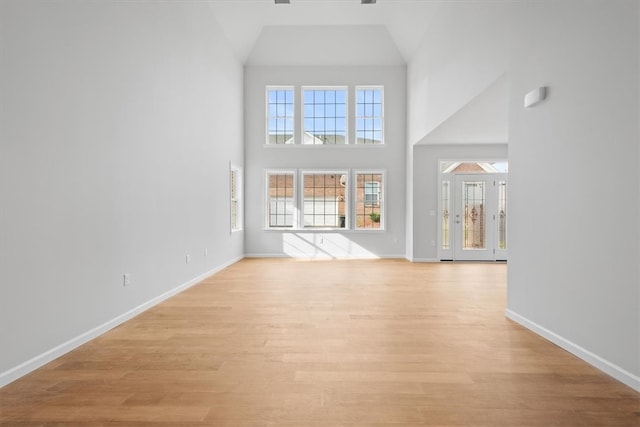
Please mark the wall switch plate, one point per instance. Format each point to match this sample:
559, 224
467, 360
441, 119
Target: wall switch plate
187, 258
126, 279
206, 251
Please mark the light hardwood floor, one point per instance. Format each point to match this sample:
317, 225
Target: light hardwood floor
325, 343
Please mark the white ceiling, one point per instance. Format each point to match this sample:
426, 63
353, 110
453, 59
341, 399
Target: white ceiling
242, 21
336, 45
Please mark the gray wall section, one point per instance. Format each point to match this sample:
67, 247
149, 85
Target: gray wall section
574, 183
426, 159
119, 121
391, 158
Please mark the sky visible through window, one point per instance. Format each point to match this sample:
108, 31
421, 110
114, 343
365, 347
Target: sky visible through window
325, 115
369, 116
281, 113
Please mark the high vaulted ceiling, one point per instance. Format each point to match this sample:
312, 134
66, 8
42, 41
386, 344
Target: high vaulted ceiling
405, 20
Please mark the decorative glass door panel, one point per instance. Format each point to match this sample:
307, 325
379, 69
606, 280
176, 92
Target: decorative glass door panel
474, 225
501, 218
474, 218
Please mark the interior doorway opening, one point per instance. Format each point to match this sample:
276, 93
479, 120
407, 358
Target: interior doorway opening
472, 206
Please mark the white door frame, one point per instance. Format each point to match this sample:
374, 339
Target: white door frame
446, 244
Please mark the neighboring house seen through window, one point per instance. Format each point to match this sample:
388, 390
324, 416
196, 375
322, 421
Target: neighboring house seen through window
326, 200
281, 199
325, 115
369, 212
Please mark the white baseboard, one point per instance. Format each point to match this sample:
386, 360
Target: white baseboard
50, 355
424, 260
604, 365
346, 257
266, 256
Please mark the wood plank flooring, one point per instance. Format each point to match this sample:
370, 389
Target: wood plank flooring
324, 343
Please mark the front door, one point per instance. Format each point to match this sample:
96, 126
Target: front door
473, 234
473, 224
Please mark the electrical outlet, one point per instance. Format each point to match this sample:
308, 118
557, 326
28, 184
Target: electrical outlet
126, 280
187, 258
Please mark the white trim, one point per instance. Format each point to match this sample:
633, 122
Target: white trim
312, 257
424, 260
602, 364
267, 256
36, 362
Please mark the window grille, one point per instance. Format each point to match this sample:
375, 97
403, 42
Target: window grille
280, 199
369, 115
325, 201
280, 116
325, 116
368, 211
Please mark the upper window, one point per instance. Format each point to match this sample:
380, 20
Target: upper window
280, 115
324, 199
369, 115
325, 116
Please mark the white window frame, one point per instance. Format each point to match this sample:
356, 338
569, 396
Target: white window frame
357, 117
268, 116
381, 198
342, 173
238, 224
294, 199
347, 109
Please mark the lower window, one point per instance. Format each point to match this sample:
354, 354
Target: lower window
333, 199
325, 203
281, 199
368, 209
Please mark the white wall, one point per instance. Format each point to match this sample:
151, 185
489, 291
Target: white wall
340, 244
324, 45
119, 120
574, 160
574, 184
463, 53
426, 160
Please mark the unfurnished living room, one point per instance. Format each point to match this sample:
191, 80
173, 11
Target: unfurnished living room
320, 213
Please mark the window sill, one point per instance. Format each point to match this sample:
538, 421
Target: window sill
325, 145
326, 230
